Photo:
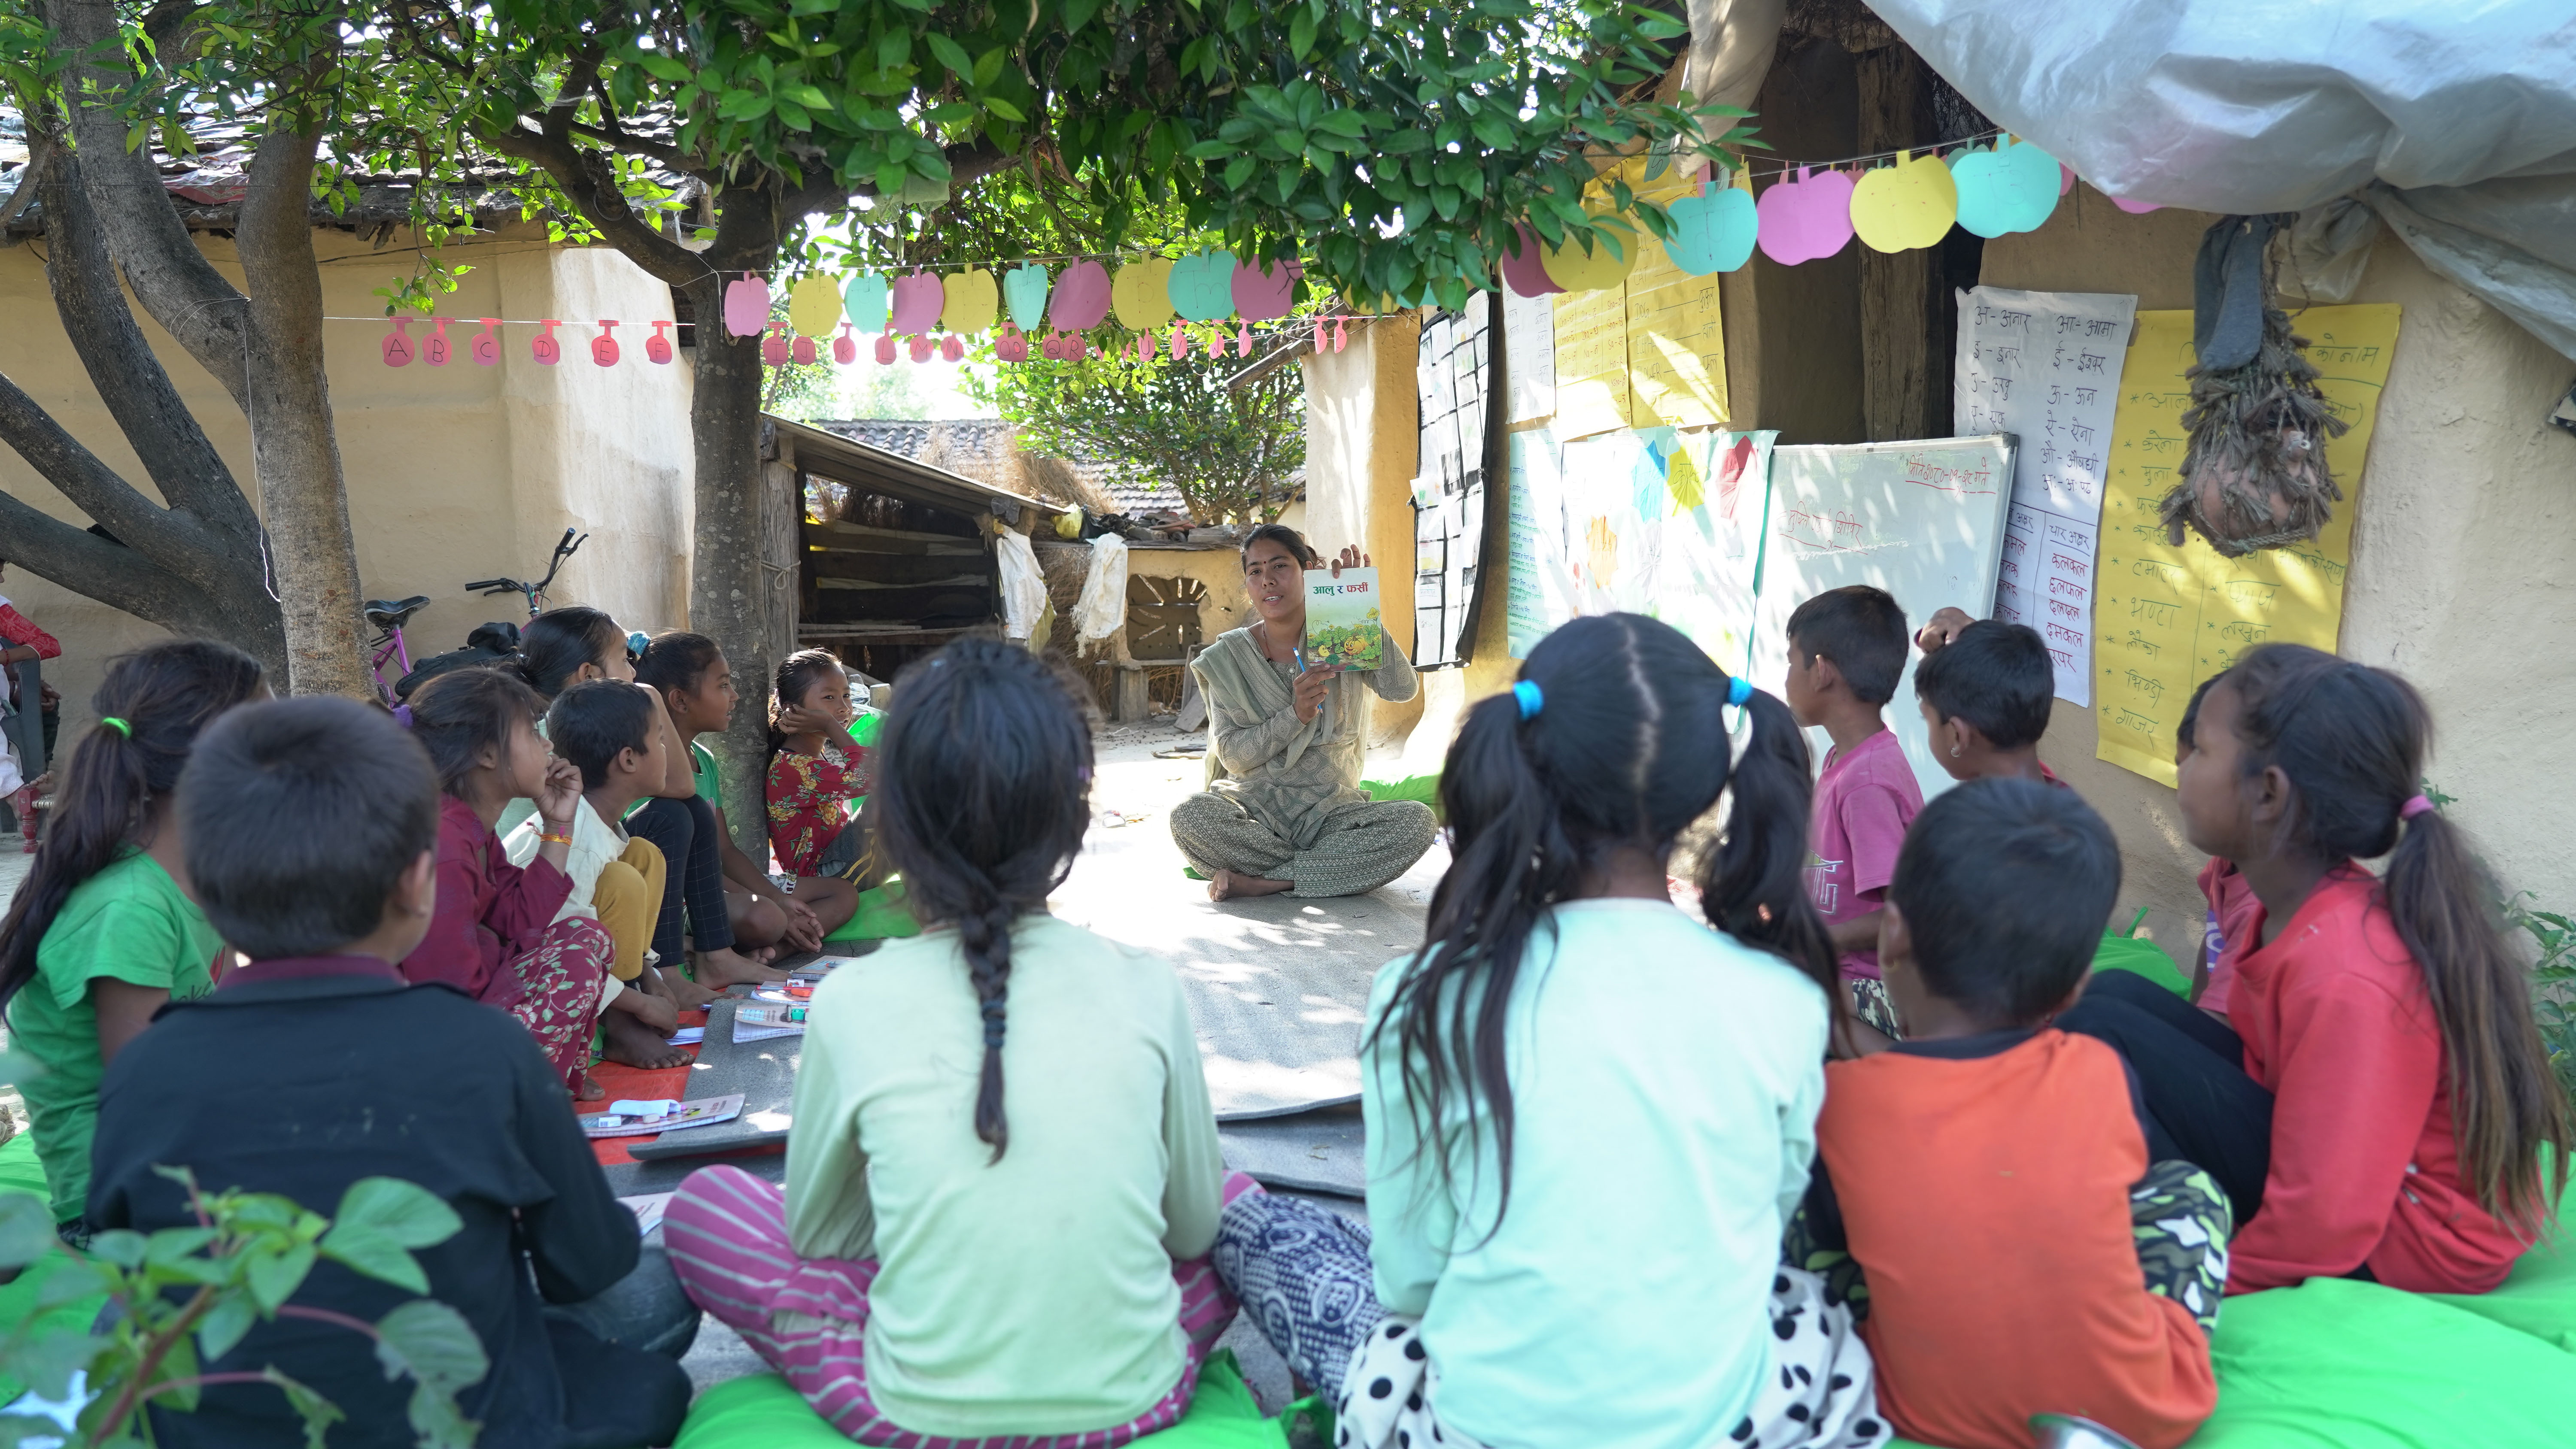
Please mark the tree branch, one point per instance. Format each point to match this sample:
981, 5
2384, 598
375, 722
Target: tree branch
587, 180
172, 540
170, 277
175, 452
89, 565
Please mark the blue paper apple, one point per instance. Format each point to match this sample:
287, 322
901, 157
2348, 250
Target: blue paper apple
1713, 230
2009, 189
1024, 291
863, 300
1203, 286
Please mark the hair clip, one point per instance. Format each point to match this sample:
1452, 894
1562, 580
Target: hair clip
2415, 805
1527, 692
1739, 691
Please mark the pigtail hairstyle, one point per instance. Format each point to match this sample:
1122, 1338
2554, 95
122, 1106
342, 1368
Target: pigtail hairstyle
1615, 737
982, 787
459, 715
796, 674
151, 706
1753, 886
2351, 741
558, 642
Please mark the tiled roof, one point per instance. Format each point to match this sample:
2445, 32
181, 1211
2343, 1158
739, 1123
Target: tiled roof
1132, 497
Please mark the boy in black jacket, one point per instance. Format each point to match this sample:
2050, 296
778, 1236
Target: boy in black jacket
310, 828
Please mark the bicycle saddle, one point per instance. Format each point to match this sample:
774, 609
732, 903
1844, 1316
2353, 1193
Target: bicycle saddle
391, 613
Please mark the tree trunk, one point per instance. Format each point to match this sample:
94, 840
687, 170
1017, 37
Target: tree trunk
293, 448
727, 600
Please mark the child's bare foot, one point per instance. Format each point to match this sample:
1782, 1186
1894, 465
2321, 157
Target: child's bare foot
634, 1044
720, 969
1227, 884
684, 993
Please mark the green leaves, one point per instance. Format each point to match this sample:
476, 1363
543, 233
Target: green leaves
381, 1217
26, 1229
436, 1346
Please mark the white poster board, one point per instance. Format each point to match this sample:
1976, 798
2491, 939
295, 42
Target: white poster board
1923, 520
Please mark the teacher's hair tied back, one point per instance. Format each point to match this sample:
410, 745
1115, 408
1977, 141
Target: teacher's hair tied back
1527, 692
1739, 691
111, 722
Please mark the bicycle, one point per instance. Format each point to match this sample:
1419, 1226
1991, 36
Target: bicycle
388, 617
565, 547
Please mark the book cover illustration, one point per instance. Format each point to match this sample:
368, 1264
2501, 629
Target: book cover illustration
762, 1020
661, 1116
1342, 623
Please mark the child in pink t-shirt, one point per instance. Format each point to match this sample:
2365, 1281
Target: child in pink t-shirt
1846, 651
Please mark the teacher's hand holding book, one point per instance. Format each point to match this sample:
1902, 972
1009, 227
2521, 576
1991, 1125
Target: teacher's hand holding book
1312, 685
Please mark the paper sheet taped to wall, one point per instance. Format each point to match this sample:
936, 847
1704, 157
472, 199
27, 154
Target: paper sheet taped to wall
1676, 345
1591, 362
2167, 617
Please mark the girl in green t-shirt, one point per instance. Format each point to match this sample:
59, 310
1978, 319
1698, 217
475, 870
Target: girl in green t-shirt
102, 933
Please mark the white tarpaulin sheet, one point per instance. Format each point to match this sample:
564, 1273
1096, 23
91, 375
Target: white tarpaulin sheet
2455, 123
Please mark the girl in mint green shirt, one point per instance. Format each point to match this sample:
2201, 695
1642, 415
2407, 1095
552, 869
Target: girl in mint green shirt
102, 933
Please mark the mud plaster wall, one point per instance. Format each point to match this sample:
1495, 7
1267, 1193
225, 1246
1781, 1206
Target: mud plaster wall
454, 473
1363, 441
2461, 575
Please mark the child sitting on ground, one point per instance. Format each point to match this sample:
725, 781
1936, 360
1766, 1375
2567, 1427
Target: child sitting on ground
500, 935
311, 831
612, 733
730, 899
102, 933
1990, 1177
1588, 1114
2382, 1102
819, 772
964, 1252
1846, 651
1985, 696
2232, 906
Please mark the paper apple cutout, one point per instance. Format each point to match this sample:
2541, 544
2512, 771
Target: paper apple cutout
814, 306
800, 349
920, 347
918, 296
435, 349
974, 299
1805, 219
1202, 286
603, 348
1267, 291
657, 348
773, 349
845, 348
863, 298
1024, 293
952, 348
1905, 207
1011, 346
2136, 208
397, 344
1141, 294
746, 306
546, 349
885, 349
1081, 297
1522, 270
2009, 189
2065, 178
487, 343
1713, 230
1612, 258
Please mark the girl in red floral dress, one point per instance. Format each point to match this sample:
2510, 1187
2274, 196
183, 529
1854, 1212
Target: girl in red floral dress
819, 771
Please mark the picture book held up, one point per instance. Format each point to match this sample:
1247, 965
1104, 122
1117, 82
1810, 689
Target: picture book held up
1342, 621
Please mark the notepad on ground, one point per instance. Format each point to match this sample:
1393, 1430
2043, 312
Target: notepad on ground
1342, 622
639, 1118
761, 1020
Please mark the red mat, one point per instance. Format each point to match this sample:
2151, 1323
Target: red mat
621, 1080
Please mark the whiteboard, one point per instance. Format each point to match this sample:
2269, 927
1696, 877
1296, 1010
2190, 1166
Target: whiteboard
1923, 520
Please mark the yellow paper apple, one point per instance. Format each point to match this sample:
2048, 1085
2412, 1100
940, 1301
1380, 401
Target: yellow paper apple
1612, 258
1141, 293
1905, 206
970, 301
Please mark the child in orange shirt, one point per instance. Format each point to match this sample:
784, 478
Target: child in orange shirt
2016, 1244
2377, 1101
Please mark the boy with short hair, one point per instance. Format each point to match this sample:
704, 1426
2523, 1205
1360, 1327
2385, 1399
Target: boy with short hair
1846, 652
611, 732
2024, 1247
1986, 695
310, 829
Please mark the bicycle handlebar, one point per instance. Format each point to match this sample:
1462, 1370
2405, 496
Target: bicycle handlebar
496, 586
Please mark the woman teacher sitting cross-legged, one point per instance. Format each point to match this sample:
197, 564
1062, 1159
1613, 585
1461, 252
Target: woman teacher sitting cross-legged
1283, 810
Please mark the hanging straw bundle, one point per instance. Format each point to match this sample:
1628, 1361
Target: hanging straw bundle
2254, 475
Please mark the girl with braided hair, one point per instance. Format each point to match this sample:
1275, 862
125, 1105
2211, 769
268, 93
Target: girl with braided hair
1004, 1180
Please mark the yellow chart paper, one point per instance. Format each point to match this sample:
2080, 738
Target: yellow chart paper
2166, 618
1676, 346
1591, 362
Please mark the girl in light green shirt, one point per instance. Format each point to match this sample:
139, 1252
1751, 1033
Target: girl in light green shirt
102, 932
1003, 1180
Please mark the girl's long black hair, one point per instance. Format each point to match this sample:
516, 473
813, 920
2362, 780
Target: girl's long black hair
2351, 740
557, 643
1628, 748
982, 791
165, 694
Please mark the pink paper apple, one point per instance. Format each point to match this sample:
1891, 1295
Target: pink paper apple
1807, 218
1522, 272
1081, 297
918, 297
746, 306
1266, 291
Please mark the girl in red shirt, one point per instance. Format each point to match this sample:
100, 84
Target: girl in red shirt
817, 768
2379, 1106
